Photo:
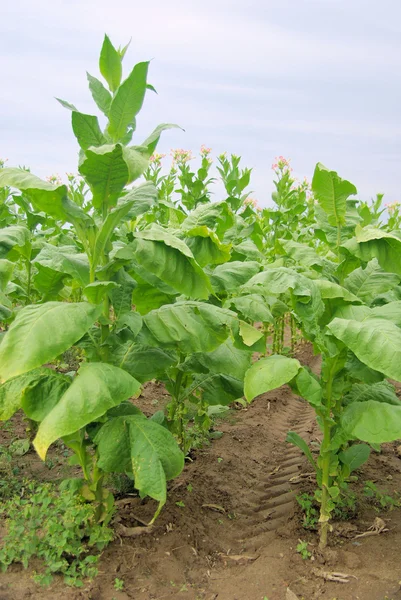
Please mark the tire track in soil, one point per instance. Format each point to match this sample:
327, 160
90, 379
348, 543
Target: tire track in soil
271, 501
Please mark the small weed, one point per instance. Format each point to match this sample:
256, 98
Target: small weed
219, 459
181, 504
310, 511
118, 584
189, 487
380, 500
57, 528
302, 549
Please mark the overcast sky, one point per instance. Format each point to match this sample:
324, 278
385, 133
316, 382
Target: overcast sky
313, 80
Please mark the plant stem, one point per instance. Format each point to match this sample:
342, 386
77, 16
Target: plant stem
326, 456
28, 287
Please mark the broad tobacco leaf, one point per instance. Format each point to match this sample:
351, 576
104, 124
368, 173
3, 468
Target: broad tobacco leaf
97, 388
41, 332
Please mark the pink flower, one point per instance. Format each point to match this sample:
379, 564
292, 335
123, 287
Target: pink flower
156, 158
204, 150
54, 179
181, 156
281, 164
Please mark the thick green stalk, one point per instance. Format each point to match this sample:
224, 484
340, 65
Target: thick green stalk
326, 456
28, 287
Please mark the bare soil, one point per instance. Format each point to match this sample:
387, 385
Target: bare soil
234, 532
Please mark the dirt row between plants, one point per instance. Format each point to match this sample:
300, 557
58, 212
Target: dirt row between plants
231, 524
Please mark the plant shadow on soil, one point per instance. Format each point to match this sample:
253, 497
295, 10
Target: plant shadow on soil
231, 524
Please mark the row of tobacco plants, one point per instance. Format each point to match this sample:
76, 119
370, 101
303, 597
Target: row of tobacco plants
158, 281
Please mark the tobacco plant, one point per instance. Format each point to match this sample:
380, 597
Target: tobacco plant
359, 344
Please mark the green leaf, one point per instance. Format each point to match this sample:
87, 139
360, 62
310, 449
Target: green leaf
308, 387
376, 243
98, 290
143, 197
382, 391
41, 395
41, 332
372, 422
142, 362
206, 246
121, 296
143, 447
158, 251
17, 238
110, 64
66, 104
355, 456
13, 390
249, 334
105, 232
137, 161
294, 438
86, 129
106, 172
376, 342
187, 326
97, 388
128, 101
132, 320
253, 307
390, 311
268, 374
332, 192
65, 259
153, 139
371, 281
101, 96
301, 253
6, 270
44, 196
229, 276
330, 290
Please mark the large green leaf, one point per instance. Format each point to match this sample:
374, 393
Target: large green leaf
128, 101
382, 391
376, 342
44, 196
121, 296
6, 271
230, 276
167, 257
101, 96
106, 172
206, 246
371, 281
355, 456
98, 290
390, 311
301, 253
65, 259
212, 215
376, 243
268, 374
331, 290
187, 326
41, 332
42, 395
86, 129
110, 64
332, 192
17, 238
97, 388
253, 307
140, 446
373, 422
142, 362
143, 197
308, 387
12, 391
